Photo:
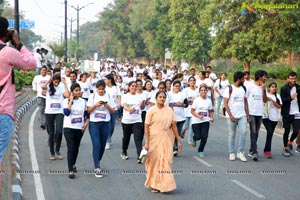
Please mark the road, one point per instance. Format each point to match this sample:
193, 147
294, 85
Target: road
212, 177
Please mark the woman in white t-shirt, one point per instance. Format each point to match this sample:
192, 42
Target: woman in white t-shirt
115, 94
75, 122
202, 111
56, 90
100, 107
219, 87
271, 116
85, 86
133, 105
177, 104
190, 93
149, 91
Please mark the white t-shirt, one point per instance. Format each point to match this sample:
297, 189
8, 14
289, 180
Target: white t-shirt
178, 111
132, 101
100, 114
202, 107
76, 118
274, 114
255, 100
113, 92
54, 103
223, 85
127, 80
148, 97
208, 82
38, 58
189, 94
249, 82
236, 101
294, 108
38, 82
93, 82
85, 89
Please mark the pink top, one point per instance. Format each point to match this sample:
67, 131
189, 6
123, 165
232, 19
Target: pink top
10, 57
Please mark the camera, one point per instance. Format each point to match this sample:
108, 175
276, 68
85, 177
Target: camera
10, 34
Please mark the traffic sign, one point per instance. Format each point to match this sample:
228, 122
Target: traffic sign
23, 24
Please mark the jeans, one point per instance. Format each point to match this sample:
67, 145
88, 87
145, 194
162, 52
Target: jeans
42, 104
270, 127
38, 70
219, 101
112, 123
241, 123
179, 128
99, 132
6, 130
287, 121
188, 127
254, 131
201, 133
73, 138
137, 131
55, 127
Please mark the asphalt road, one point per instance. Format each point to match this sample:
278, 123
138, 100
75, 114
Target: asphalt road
212, 177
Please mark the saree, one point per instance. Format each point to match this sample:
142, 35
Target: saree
158, 164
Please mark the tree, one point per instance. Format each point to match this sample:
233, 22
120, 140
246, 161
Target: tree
248, 34
191, 40
58, 49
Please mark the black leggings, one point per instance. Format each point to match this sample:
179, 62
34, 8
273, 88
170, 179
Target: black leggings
201, 133
138, 133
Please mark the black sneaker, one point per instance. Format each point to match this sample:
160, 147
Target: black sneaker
139, 161
286, 152
124, 156
297, 150
253, 156
98, 173
75, 169
71, 175
43, 127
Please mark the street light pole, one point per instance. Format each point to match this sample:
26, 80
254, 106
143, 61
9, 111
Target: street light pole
17, 20
66, 34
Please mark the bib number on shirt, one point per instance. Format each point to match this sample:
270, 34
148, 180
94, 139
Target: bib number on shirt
55, 105
297, 116
100, 116
202, 113
136, 112
76, 120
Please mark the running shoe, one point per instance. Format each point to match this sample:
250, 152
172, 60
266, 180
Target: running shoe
124, 156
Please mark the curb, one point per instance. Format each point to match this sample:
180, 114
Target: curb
16, 185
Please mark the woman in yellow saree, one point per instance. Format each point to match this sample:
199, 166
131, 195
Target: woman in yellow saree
160, 132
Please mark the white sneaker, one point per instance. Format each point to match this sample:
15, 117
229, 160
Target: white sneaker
232, 156
107, 146
241, 156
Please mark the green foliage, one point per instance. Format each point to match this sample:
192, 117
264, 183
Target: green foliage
58, 49
23, 78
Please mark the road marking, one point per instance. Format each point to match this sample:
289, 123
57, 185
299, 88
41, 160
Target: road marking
35, 167
245, 187
202, 161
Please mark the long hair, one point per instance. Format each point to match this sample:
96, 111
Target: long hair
111, 78
52, 89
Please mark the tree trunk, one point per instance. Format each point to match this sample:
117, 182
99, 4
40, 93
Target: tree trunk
289, 58
246, 65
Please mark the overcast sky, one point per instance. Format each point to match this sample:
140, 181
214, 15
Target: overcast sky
49, 14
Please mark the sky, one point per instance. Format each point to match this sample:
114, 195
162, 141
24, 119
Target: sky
48, 15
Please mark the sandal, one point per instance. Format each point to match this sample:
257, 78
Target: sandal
154, 190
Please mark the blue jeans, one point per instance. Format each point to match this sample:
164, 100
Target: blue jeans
179, 128
254, 124
6, 130
219, 101
188, 128
99, 132
112, 123
232, 126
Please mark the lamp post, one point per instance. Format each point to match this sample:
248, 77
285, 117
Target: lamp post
66, 34
71, 24
16, 16
77, 10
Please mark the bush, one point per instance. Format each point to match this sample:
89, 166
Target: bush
23, 78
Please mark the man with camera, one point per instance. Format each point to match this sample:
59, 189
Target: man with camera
17, 55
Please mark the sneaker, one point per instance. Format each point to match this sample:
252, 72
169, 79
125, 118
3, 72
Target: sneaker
71, 175
43, 127
241, 156
139, 161
143, 155
193, 144
124, 156
268, 154
290, 146
175, 153
59, 156
253, 156
98, 173
201, 154
232, 156
297, 150
52, 157
75, 169
286, 152
107, 146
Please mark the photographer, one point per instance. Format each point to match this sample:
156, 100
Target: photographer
21, 57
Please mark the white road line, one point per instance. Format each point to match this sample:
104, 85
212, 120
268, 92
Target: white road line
202, 161
245, 187
35, 167
264, 130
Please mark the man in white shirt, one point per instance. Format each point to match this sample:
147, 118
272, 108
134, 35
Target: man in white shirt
37, 83
237, 113
256, 96
38, 60
248, 81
